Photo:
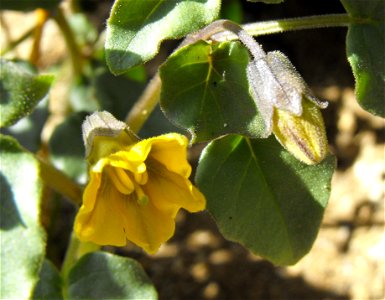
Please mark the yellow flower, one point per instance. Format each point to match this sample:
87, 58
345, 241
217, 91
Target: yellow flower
135, 189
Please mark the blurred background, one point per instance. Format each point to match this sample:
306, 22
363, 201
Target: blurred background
347, 259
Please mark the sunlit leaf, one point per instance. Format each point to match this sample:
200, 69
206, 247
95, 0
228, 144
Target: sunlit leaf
365, 50
20, 91
100, 275
263, 197
22, 237
205, 90
135, 29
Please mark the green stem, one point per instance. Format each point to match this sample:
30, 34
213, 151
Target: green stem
291, 24
150, 97
60, 182
76, 55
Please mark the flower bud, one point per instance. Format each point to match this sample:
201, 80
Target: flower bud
303, 136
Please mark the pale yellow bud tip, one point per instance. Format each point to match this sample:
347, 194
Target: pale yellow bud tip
303, 136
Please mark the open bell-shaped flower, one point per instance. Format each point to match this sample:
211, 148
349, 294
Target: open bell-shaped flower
136, 187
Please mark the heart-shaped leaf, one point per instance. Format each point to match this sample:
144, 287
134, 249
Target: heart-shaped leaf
263, 197
205, 90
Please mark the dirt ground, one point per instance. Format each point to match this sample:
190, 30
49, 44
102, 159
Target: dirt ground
347, 260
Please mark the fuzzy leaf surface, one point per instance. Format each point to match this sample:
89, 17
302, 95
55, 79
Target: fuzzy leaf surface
263, 197
20, 92
205, 91
22, 236
135, 28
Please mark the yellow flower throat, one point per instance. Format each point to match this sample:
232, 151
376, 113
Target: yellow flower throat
127, 184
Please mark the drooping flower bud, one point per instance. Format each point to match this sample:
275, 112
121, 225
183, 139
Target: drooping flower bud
303, 136
275, 83
287, 105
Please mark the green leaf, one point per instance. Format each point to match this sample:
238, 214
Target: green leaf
205, 90
264, 198
232, 10
135, 29
20, 91
50, 284
67, 148
100, 275
365, 50
24, 5
28, 130
22, 237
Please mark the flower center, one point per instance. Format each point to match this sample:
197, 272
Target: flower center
129, 184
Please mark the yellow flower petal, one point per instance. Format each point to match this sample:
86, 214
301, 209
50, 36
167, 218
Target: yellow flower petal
146, 226
99, 219
169, 192
170, 150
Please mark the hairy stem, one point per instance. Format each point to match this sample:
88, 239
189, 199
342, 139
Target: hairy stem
290, 24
